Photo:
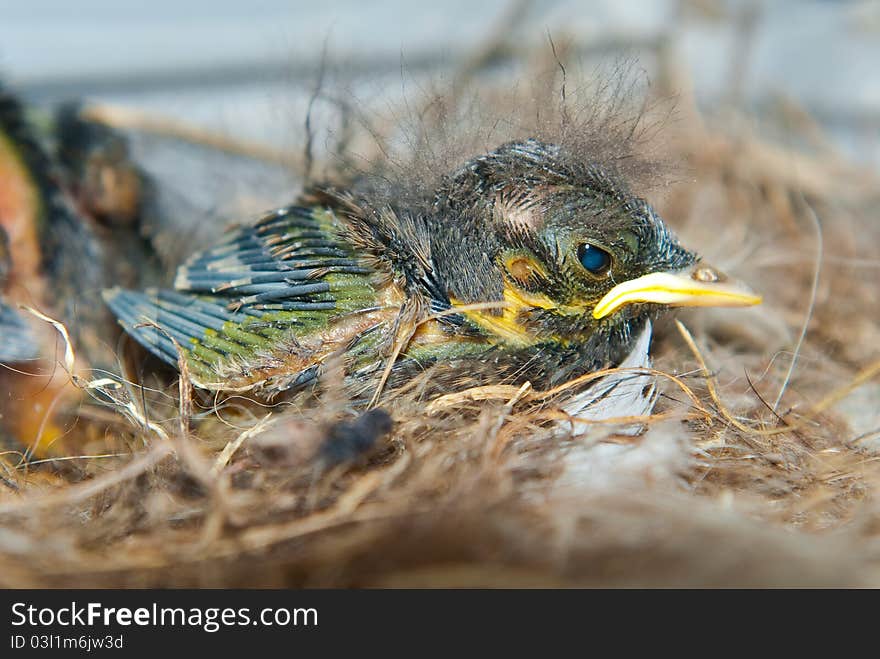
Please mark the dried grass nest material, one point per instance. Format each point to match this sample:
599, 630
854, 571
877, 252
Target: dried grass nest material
750, 472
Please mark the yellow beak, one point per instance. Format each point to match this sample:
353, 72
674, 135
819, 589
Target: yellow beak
698, 286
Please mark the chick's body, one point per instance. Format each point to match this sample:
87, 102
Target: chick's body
495, 275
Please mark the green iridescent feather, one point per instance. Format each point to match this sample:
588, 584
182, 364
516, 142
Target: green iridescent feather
274, 284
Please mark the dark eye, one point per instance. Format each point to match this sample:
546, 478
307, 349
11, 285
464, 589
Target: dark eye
594, 259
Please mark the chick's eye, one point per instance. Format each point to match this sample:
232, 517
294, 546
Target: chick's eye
594, 259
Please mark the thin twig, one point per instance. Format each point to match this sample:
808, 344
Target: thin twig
230, 449
126, 118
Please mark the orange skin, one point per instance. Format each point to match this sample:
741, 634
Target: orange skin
30, 394
20, 209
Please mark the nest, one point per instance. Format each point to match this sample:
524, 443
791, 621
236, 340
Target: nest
758, 466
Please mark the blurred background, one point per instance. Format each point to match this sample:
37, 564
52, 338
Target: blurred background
247, 69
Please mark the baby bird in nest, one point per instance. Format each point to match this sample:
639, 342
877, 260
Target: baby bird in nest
528, 263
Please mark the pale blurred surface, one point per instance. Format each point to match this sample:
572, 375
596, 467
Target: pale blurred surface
247, 68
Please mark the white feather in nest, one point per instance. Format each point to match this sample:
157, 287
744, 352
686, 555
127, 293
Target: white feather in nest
591, 461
